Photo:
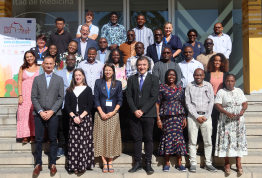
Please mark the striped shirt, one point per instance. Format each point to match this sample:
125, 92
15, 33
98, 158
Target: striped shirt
144, 35
199, 98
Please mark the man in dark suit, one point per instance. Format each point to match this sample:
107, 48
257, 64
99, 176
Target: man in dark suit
103, 52
84, 43
47, 97
154, 51
142, 93
66, 74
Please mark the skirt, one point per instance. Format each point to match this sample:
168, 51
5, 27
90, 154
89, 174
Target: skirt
172, 139
107, 136
80, 145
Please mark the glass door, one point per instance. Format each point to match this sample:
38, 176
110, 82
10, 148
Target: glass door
155, 12
102, 10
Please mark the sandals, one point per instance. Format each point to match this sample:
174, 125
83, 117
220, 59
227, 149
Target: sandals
105, 170
32, 140
227, 171
25, 140
240, 171
111, 170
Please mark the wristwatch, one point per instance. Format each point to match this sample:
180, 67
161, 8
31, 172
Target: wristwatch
73, 117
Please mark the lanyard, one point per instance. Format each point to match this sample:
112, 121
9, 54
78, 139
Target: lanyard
40, 54
108, 91
90, 27
169, 40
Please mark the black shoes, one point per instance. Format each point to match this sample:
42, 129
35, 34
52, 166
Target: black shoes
135, 168
149, 168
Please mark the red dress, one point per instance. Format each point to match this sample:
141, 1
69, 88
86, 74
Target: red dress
25, 118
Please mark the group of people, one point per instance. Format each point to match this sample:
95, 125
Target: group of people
63, 87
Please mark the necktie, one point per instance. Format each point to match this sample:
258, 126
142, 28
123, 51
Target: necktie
141, 82
159, 52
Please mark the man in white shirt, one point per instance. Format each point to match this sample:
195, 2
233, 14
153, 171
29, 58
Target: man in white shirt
222, 42
188, 66
94, 30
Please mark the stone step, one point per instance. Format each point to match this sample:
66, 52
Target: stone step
125, 160
8, 101
254, 97
8, 109
249, 172
7, 120
254, 107
11, 146
10, 132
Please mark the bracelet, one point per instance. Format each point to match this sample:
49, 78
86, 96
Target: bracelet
73, 117
116, 111
243, 110
19, 95
159, 121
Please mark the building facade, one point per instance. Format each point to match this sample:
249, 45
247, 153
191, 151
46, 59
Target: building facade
184, 15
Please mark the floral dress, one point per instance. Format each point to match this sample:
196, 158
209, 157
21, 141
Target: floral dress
172, 114
231, 133
121, 75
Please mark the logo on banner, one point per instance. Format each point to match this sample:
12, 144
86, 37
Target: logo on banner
17, 28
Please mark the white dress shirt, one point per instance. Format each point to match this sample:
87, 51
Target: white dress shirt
160, 47
83, 47
187, 71
222, 44
139, 77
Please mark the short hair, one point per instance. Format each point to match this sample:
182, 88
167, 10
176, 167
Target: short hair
71, 55
223, 66
131, 30
49, 57
232, 75
85, 25
92, 48
192, 30
26, 65
59, 19
42, 37
110, 58
187, 47
141, 58
140, 15
167, 24
166, 75
113, 13
91, 14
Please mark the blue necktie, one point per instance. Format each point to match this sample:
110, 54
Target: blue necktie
141, 82
159, 52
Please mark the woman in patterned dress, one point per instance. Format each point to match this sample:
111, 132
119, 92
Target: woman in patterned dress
231, 131
52, 51
78, 103
171, 120
107, 135
25, 119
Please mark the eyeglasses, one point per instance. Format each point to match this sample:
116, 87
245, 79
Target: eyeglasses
217, 27
208, 43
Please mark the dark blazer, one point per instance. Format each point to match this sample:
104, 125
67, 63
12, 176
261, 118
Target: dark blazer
90, 43
50, 98
100, 96
85, 101
151, 51
208, 77
145, 99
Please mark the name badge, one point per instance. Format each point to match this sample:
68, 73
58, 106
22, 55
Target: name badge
39, 61
109, 103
